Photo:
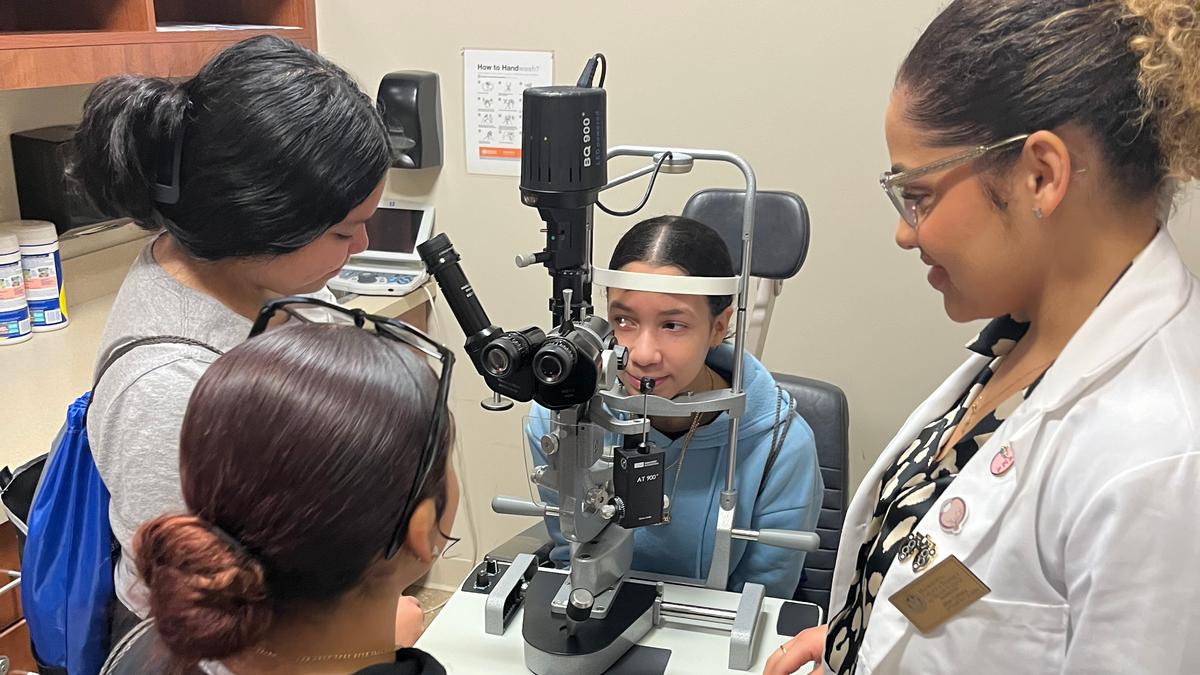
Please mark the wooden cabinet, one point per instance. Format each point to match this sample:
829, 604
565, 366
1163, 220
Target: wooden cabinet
14, 643
61, 42
14, 634
10, 603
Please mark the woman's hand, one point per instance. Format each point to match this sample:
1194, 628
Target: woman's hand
805, 648
410, 621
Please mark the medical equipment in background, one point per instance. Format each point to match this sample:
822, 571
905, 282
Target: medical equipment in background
390, 264
586, 623
44, 188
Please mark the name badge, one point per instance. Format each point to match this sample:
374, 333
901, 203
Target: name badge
934, 597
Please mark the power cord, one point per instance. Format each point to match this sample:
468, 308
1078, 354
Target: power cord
645, 198
589, 71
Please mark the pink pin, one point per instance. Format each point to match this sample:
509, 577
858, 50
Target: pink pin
1003, 461
952, 514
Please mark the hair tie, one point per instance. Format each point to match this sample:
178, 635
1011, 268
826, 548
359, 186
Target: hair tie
230, 541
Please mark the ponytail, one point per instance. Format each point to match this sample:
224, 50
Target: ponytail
129, 123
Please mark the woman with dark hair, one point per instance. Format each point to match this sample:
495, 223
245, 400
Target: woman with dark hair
1036, 514
259, 174
318, 485
679, 341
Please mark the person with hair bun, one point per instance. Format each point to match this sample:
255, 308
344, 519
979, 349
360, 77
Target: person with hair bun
258, 175
1037, 513
680, 342
318, 486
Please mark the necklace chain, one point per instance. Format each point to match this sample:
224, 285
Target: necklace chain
977, 404
776, 438
687, 440
349, 656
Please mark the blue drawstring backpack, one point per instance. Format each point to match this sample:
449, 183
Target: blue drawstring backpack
67, 562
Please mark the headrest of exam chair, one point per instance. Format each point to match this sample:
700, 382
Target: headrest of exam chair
781, 228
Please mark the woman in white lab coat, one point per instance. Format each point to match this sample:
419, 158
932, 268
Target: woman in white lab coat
1037, 513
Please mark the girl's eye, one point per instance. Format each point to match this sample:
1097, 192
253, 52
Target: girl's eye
673, 326
915, 201
622, 322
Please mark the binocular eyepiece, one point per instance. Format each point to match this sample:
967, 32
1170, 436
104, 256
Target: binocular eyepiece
510, 352
558, 371
554, 361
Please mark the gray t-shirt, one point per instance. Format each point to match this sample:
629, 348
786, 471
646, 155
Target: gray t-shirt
137, 409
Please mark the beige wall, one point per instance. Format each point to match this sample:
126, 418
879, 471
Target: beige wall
797, 88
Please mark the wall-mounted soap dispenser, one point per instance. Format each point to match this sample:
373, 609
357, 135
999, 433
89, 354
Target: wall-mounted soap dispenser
410, 102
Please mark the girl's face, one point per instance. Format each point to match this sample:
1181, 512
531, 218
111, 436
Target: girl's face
668, 336
306, 270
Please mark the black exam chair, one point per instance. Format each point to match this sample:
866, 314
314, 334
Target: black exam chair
781, 235
826, 410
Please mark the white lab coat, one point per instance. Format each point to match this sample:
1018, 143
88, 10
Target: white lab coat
1090, 543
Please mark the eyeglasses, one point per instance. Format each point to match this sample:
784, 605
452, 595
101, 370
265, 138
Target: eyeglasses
893, 184
312, 310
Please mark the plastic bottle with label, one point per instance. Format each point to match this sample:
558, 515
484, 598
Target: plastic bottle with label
15, 323
43, 274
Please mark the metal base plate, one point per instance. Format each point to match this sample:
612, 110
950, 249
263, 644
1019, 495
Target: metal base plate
597, 643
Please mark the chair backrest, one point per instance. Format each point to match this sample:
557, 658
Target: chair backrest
781, 230
826, 410
781, 233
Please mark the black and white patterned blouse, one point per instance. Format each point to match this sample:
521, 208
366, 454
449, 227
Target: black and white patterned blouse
910, 487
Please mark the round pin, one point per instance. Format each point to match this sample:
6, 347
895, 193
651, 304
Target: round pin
1003, 461
952, 514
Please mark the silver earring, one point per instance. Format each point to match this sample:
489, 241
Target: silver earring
1038, 213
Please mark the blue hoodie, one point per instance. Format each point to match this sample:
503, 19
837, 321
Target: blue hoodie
790, 495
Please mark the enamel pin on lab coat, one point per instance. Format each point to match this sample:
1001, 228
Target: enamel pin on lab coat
920, 548
1003, 461
952, 514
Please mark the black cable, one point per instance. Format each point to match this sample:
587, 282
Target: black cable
589, 71
645, 198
